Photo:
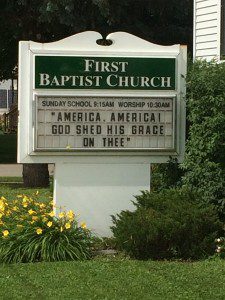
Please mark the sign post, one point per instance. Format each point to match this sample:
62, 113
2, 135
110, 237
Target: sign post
102, 114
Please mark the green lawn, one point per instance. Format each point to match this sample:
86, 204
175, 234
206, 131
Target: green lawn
10, 191
10, 187
101, 279
10, 179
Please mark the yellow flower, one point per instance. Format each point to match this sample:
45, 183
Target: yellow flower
45, 219
2, 205
25, 205
15, 208
61, 215
51, 214
70, 214
5, 233
37, 193
31, 212
83, 225
49, 224
39, 231
34, 218
3, 198
19, 196
67, 225
25, 199
61, 229
42, 205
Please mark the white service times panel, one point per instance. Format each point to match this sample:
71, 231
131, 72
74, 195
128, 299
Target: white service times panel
104, 123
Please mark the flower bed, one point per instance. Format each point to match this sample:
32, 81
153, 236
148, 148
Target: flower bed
31, 232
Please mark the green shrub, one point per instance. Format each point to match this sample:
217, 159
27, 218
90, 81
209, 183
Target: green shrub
204, 163
165, 225
166, 175
31, 232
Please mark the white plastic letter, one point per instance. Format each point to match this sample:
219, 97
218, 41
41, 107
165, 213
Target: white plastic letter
44, 79
88, 64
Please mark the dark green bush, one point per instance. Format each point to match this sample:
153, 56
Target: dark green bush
204, 163
166, 175
165, 225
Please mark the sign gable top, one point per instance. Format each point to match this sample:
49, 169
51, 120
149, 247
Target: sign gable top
122, 42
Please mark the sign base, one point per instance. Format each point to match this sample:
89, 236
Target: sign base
96, 191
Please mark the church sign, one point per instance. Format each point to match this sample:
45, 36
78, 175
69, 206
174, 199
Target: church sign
74, 72
79, 98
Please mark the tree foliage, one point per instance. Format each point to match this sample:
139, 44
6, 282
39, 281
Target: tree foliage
161, 21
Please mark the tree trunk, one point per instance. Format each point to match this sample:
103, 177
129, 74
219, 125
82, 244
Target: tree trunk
35, 175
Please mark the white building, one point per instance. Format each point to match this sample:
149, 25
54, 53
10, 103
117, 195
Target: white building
7, 96
209, 27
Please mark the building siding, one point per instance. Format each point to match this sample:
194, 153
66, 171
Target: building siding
7, 98
207, 29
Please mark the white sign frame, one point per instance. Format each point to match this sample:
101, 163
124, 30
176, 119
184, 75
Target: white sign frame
84, 44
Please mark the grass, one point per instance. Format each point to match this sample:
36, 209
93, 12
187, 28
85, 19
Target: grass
11, 179
10, 187
8, 148
111, 279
